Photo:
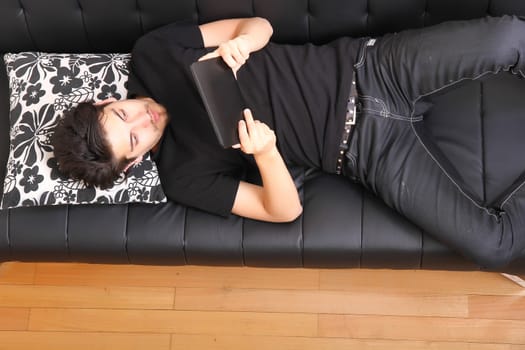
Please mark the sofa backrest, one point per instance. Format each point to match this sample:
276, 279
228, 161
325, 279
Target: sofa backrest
104, 26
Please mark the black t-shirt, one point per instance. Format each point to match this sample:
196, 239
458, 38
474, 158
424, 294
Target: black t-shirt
299, 91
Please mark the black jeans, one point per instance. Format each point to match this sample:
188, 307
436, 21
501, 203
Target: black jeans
388, 155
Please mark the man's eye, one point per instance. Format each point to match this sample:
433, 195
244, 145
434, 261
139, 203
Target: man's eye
122, 115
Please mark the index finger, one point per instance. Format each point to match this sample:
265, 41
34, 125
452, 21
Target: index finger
250, 123
248, 116
244, 138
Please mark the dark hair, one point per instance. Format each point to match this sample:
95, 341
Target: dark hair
82, 150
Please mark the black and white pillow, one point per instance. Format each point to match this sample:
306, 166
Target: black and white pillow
42, 87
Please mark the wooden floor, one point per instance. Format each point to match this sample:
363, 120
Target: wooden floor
80, 306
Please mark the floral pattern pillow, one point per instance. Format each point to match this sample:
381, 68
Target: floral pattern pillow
42, 86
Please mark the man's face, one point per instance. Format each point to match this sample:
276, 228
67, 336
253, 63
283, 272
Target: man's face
133, 127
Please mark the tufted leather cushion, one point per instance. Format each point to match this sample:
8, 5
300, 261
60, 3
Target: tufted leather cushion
342, 225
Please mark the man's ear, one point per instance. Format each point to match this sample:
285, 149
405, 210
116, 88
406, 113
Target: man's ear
105, 102
132, 163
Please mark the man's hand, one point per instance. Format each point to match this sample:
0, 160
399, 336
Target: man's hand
235, 39
234, 52
256, 137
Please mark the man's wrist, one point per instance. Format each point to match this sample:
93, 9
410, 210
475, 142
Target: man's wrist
269, 155
248, 40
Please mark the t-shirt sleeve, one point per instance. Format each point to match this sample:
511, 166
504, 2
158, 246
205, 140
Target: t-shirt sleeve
174, 45
207, 183
213, 193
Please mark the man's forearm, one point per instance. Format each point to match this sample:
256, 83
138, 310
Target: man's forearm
277, 199
280, 197
257, 30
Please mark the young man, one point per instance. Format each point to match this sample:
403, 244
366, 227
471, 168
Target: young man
305, 98
190, 167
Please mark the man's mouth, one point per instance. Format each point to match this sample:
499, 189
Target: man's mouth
154, 116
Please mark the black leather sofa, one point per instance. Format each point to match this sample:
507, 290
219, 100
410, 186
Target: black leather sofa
342, 226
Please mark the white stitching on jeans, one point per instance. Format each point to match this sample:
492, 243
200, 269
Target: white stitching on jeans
385, 112
520, 71
352, 158
447, 175
361, 60
375, 112
453, 83
512, 194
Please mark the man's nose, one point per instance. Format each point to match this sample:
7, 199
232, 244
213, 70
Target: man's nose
141, 120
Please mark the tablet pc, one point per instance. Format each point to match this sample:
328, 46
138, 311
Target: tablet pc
221, 96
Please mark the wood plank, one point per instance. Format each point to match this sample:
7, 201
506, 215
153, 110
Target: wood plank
175, 276
336, 302
213, 342
518, 279
14, 319
497, 307
82, 341
423, 328
17, 273
187, 322
418, 281
87, 297
256, 308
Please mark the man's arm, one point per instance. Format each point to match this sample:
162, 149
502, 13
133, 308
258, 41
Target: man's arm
236, 39
277, 199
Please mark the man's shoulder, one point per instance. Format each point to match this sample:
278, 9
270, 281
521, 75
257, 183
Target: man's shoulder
184, 34
197, 178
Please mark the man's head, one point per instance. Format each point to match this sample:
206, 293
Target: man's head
97, 142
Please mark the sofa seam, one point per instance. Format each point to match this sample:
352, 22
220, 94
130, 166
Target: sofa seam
8, 236
197, 10
22, 7
141, 23
184, 253
308, 20
126, 238
483, 150
362, 227
421, 255
243, 253
66, 231
367, 25
84, 24
301, 221
424, 15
